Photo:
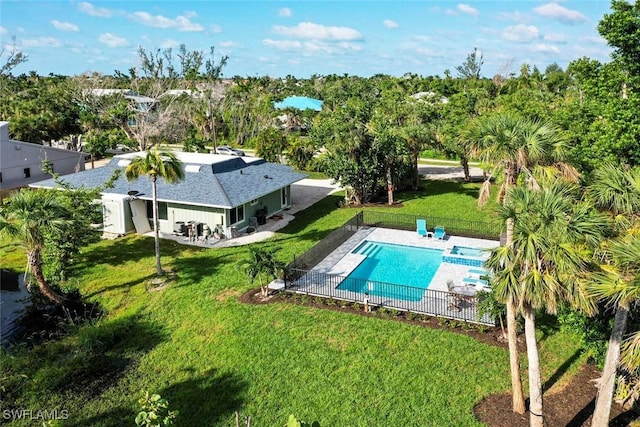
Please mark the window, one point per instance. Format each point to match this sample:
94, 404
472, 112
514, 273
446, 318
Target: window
0, 176
237, 214
162, 210
254, 202
283, 196
26, 172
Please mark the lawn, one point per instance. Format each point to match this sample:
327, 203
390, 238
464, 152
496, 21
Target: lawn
210, 355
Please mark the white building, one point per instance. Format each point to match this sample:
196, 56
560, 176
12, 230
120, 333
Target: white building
21, 162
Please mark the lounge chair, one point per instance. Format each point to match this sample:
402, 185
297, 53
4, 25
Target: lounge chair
439, 232
421, 227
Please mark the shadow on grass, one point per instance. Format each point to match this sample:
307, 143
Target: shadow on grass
209, 399
206, 400
129, 249
437, 187
562, 369
82, 368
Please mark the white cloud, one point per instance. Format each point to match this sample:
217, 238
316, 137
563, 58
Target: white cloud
90, 9
41, 42
555, 37
521, 33
112, 40
285, 12
309, 30
426, 52
544, 48
513, 16
561, 13
169, 43
180, 23
65, 26
311, 47
282, 44
3, 30
469, 10
215, 28
390, 24
594, 40
229, 44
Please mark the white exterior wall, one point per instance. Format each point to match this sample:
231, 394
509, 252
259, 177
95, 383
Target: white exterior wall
16, 156
116, 214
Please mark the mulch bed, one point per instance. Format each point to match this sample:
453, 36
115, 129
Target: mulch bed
570, 407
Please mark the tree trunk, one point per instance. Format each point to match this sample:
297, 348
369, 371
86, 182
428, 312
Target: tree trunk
536, 417
35, 263
512, 335
607, 381
416, 183
517, 397
156, 225
465, 167
389, 187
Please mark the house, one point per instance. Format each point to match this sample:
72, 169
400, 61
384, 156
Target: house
226, 193
21, 162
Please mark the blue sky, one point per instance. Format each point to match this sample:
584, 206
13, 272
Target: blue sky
302, 38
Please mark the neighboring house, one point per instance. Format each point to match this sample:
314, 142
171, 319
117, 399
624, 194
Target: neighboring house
21, 162
226, 193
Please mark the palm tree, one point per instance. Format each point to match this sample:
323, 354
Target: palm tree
619, 284
513, 145
552, 235
156, 164
28, 216
262, 262
617, 190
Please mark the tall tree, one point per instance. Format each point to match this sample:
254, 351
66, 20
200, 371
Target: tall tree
621, 28
156, 164
472, 66
28, 216
552, 234
512, 145
617, 190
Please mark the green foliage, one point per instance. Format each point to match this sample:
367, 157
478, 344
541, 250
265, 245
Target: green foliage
593, 331
300, 152
263, 265
293, 422
154, 411
271, 144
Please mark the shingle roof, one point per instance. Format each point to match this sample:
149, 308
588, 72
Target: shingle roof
225, 182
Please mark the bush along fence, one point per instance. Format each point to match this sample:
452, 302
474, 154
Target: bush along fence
303, 279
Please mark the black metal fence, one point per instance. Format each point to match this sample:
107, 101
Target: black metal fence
458, 227
302, 279
329, 244
388, 295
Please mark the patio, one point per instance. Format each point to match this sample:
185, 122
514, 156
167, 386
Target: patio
324, 278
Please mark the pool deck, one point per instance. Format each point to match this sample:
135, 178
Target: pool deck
342, 262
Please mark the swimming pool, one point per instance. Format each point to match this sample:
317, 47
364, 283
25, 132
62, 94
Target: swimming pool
391, 270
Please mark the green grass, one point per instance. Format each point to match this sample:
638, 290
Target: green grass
210, 355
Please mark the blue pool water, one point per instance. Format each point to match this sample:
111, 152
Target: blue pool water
465, 251
405, 271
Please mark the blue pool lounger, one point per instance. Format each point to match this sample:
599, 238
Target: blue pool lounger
421, 227
474, 281
439, 232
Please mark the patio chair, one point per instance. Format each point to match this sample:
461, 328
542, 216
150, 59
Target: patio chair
421, 227
439, 232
